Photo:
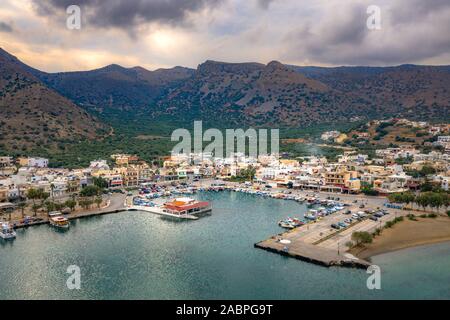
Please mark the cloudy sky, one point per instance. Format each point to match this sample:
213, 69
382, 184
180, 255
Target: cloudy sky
166, 33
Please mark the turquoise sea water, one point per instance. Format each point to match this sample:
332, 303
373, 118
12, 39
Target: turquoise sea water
136, 255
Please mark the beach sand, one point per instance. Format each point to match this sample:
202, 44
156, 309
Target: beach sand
407, 234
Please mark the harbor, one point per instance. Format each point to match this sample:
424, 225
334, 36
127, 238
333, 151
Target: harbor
319, 235
168, 258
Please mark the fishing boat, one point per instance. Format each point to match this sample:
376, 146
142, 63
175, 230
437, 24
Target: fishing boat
7, 232
300, 199
286, 224
58, 221
290, 223
310, 216
296, 222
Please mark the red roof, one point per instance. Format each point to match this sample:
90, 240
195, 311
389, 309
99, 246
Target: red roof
194, 205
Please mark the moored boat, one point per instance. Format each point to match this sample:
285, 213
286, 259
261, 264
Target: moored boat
7, 232
57, 220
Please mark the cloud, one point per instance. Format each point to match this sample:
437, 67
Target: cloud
166, 33
4, 27
127, 14
412, 31
264, 4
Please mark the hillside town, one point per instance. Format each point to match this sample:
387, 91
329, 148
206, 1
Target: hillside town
393, 170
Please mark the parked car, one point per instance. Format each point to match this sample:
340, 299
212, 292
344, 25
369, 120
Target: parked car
361, 214
342, 225
373, 218
335, 226
348, 212
362, 206
378, 214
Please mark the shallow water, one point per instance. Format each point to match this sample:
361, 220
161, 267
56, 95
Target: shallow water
136, 255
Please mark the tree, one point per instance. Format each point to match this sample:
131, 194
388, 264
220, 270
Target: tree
369, 191
52, 188
22, 205
33, 194
58, 206
427, 170
35, 207
361, 237
71, 204
85, 203
90, 191
100, 182
98, 201
49, 206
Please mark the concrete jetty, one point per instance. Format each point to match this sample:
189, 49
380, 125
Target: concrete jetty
312, 253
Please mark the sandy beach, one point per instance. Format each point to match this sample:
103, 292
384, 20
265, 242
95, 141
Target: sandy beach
407, 234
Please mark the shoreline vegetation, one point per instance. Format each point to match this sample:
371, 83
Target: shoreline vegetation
411, 232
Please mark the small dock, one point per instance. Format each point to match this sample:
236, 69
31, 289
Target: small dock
312, 253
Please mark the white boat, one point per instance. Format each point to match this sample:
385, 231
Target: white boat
7, 232
285, 224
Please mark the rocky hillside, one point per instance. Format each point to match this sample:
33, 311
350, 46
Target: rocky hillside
242, 94
34, 116
114, 87
257, 94
418, 92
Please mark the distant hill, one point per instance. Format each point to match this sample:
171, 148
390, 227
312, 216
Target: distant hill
257, 94
114, 87
35, 116
253, 94
417, 92
290, 96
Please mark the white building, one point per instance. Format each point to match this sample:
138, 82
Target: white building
37, 162
99, 165
328, 135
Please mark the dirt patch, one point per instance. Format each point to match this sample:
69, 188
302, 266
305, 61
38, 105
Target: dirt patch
407, 234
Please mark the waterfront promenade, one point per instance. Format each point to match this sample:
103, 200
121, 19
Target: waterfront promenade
114, 203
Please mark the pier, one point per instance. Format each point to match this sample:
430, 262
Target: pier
320, 244
312, 253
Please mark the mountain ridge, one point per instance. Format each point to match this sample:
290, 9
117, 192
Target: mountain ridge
33, 115
252, 93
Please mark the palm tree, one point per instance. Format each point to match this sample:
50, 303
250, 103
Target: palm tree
22, 205
35, 208
33, 194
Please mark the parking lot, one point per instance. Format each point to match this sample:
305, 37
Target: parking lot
321, 233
